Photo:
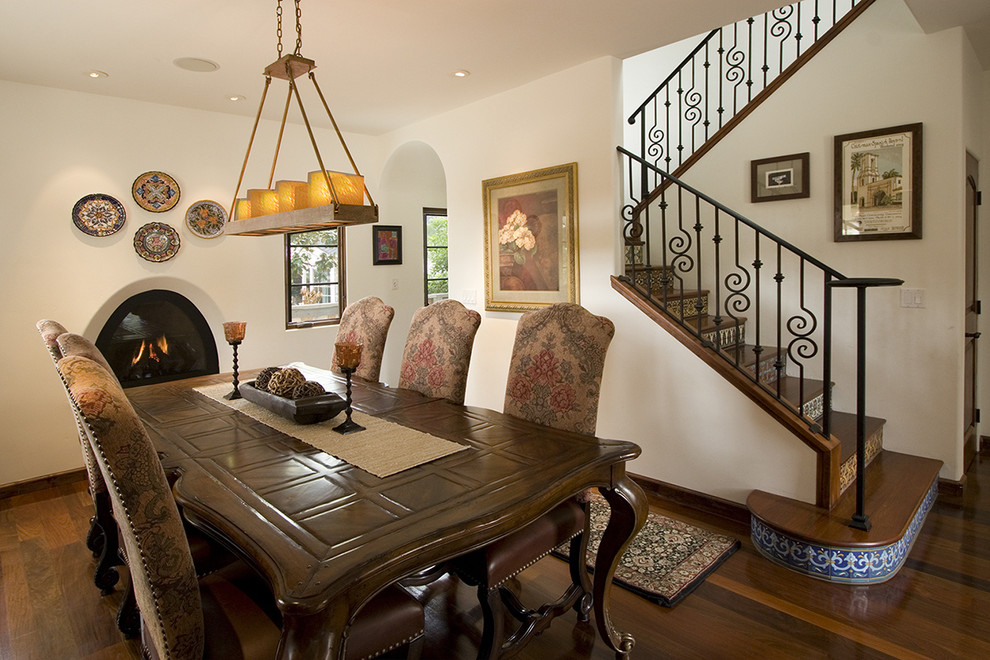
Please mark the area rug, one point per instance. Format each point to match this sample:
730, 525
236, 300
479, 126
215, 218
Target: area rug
666, 561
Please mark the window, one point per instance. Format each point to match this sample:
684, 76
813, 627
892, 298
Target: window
314, 261
435, 252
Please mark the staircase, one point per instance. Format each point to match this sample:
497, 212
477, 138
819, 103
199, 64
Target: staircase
759, 310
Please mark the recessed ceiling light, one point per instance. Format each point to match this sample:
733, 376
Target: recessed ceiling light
98, 74
462, 74
235, 97
196, 64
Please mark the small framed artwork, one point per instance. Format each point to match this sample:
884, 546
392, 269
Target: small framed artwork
878, 184
531, 239
783, 177
387, 244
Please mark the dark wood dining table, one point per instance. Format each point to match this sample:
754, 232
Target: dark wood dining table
328, 535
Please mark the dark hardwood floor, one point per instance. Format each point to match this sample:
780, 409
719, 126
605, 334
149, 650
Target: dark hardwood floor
938, 606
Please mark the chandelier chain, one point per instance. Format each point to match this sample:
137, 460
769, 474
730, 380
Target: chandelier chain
298, 29
278, 30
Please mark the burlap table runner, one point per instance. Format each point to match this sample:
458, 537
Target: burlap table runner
383, 449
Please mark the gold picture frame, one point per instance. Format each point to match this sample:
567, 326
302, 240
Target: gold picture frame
531, 239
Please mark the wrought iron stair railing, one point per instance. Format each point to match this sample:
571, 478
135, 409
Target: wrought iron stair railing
757, 302
732, 284
728, 74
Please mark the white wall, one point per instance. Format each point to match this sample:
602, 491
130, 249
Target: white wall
882, 71
59, 146
412, 179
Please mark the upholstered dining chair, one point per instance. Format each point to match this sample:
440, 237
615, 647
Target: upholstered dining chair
365, 321
554, 379
438, 350
228, 614
102, 537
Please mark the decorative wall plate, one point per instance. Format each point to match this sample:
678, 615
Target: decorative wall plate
98, 215
206, 218
156, 241
155, 191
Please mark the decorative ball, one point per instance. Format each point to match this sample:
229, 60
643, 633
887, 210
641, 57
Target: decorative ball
284, 380
261, 382
307, 389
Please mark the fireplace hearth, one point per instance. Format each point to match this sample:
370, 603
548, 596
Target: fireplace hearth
157, 336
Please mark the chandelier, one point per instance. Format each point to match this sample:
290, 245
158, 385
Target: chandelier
326, 198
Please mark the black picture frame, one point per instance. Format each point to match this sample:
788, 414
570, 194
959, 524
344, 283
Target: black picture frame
386, 245
780, 178
878, 184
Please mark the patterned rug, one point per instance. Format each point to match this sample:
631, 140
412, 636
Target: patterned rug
664, 562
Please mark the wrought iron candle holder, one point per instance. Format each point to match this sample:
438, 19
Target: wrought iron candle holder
233, 332
348, 358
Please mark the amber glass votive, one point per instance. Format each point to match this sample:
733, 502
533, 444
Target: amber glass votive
348, 354
234, 331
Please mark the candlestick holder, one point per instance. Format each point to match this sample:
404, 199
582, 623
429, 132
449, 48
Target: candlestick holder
348, 357
233, 332
348, 425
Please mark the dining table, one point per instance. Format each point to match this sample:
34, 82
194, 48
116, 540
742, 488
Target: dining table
328, 535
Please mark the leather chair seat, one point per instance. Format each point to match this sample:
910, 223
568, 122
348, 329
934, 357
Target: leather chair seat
506, 557
243, 622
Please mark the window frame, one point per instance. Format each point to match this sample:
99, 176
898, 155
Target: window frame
341, 279
427, 213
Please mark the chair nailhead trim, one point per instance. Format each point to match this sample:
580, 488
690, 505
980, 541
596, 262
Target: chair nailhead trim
509, 577
394, 646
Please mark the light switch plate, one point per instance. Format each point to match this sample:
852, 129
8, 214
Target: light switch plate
912, 297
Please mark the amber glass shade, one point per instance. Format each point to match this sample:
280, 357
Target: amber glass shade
348, 354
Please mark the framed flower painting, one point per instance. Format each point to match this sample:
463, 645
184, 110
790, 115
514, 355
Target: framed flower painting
531, 239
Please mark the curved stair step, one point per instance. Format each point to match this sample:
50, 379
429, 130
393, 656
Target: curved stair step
900, 490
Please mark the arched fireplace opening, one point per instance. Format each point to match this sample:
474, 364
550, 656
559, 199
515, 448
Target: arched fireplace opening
157, 336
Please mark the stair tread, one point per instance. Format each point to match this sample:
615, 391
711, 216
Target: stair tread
677, 294
708, 323
790, 388
746, 356
896, 486
843, 427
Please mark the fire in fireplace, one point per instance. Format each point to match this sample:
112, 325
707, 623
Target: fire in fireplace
156, 336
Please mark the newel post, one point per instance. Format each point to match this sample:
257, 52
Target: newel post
860, 520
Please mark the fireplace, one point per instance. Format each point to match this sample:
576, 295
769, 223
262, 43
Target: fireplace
157, 336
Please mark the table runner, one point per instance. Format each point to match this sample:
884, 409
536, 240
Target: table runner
383, 449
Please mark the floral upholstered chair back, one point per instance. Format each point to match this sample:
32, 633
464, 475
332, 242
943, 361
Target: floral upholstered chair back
54, 335
50, 331
438, 350
158, 555
365, 321
555, 373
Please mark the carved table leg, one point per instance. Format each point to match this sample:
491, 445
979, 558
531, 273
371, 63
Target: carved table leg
629, 509
312, 636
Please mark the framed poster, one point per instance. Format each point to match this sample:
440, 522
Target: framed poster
531, 242
878, 184
386, 241
783, 177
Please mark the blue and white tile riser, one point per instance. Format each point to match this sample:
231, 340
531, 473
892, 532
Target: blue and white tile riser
840, 564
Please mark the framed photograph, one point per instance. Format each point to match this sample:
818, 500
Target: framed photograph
386, 241
878, 184
531, 239
783, 177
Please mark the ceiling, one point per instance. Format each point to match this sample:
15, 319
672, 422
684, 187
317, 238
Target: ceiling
381, 63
